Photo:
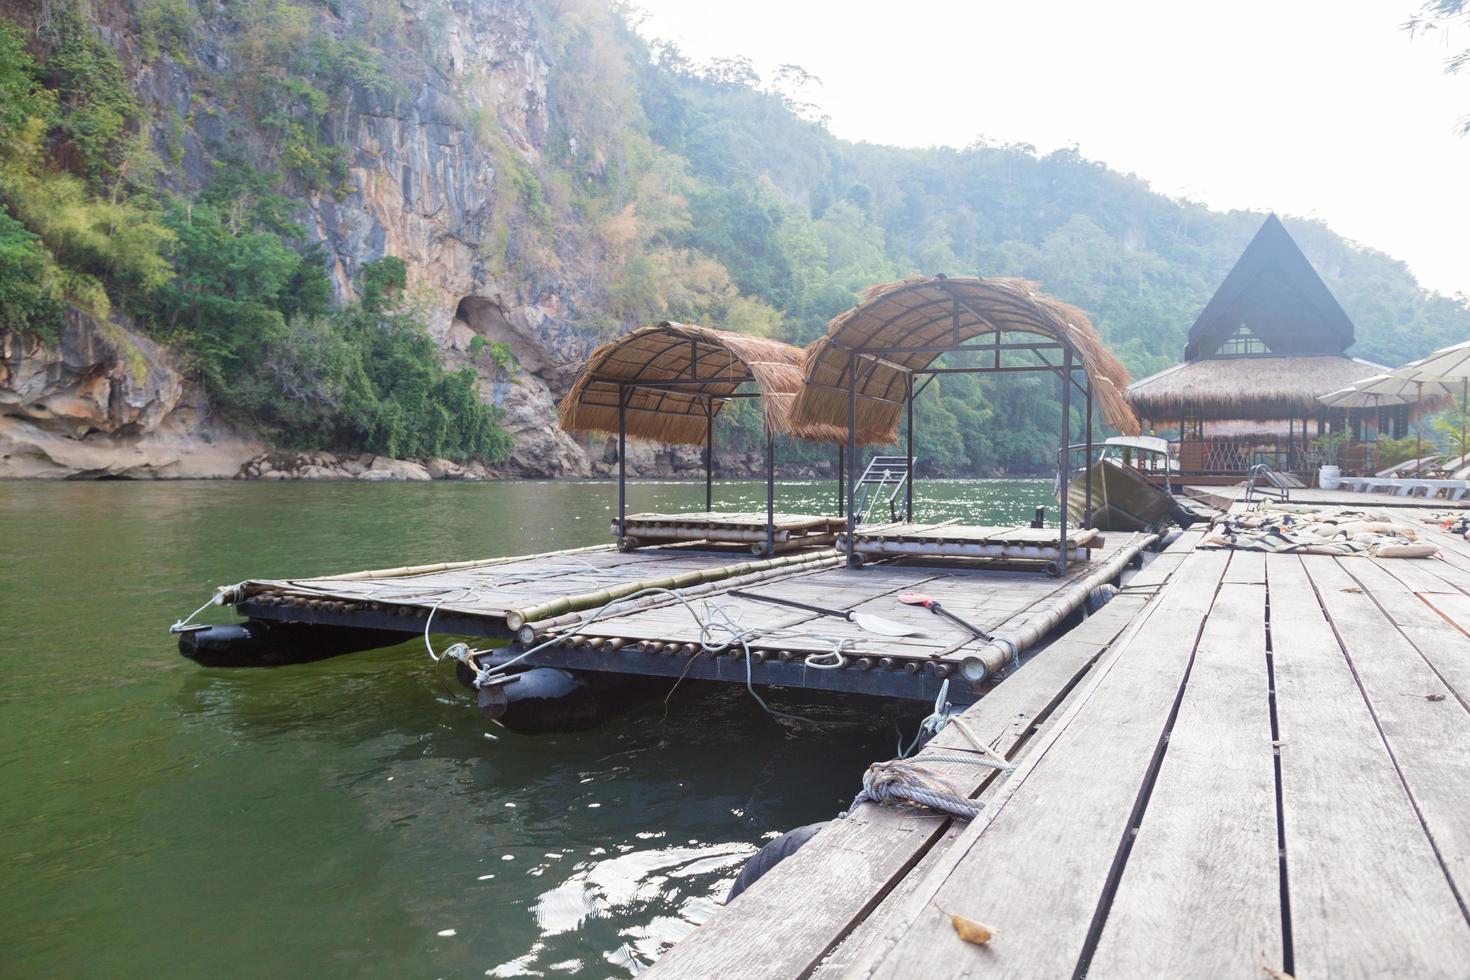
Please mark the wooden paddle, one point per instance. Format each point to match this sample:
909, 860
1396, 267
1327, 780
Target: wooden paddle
920, 599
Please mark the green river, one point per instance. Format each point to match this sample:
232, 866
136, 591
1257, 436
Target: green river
358, 815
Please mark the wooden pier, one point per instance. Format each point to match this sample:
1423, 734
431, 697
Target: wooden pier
1246, 765
604, 610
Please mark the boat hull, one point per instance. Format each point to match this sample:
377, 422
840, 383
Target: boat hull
1123, 499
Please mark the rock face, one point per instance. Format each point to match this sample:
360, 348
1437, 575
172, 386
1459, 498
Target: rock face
426, 165
105, 402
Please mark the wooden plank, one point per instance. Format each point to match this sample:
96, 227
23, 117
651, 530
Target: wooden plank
1247, 568
1429, 739
1368, 897
1200, 894
1037, 863
845, 871
1438, 625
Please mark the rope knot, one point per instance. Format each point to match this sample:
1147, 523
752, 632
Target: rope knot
897, 781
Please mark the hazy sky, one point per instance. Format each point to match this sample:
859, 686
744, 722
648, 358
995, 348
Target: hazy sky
1319, 108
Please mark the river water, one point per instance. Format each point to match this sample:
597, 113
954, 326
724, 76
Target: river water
359, 815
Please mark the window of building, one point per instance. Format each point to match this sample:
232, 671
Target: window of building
1243, 341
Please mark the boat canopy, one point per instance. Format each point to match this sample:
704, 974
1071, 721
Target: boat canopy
1150, 444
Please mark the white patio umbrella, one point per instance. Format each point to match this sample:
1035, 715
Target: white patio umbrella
1385, 390
1354, 397
1447, 368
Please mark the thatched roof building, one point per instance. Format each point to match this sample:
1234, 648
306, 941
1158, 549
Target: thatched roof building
678, 377
1246, 387
912, 322
1269, 343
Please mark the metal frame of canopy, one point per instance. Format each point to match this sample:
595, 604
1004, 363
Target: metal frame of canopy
668, 383
625, 387
1066, 372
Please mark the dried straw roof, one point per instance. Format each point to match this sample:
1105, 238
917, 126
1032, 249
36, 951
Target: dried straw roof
931, 312
1254, 387
724, 362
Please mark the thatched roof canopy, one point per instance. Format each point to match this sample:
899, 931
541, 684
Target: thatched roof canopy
716, 362
1246, 387
934, 312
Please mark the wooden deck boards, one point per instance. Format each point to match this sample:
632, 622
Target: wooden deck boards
1269, 767
1223, 496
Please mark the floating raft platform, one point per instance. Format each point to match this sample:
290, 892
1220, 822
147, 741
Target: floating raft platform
1014, 543
559, 601
1245, 765
790, 532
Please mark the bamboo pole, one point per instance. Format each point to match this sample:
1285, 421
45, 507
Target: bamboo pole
660, 600
994, 656
516, 618
411, 570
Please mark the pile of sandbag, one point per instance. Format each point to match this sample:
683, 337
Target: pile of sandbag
1302, 530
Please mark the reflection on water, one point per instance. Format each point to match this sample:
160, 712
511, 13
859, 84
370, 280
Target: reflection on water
358, 814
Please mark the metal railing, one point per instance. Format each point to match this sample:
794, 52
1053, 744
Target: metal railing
1265, 481
885, 478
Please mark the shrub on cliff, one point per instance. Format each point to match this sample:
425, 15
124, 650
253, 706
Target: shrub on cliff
30, 283
367, 377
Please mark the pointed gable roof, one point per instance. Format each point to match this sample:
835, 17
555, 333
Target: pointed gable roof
1274, 292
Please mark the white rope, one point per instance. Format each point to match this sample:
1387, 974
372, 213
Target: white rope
944, 715
218, 599
716, 620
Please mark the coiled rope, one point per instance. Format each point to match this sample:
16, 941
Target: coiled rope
903, 780
899, 781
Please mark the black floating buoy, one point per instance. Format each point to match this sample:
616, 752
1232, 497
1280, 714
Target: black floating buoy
265, 643
540, 700
772, 854
1099, 597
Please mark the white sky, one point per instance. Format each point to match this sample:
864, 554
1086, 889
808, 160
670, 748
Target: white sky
1321, 108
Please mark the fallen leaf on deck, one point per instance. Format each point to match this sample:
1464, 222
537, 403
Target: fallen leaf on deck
971, 931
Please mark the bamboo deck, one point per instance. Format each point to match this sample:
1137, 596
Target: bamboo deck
557, 600
790, 531
1014, 543
1245, 763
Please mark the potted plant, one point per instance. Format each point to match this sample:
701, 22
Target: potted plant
1330, 449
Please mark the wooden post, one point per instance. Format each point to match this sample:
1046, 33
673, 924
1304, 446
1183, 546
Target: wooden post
908, 480
622, 462
709, 454
851, 449
841, 479
770, 488
1088, 461
1066, 441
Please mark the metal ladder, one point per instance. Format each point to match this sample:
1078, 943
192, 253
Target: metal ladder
882, 482
1266, 481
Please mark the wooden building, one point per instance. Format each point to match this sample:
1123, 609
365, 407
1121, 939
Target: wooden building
1271, 341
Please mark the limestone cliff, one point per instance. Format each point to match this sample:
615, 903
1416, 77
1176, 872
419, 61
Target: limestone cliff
103, 402
423, 178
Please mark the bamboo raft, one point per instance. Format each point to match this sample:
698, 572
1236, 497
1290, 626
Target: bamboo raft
1245, 765
560, 602
789, 531
1015, 543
